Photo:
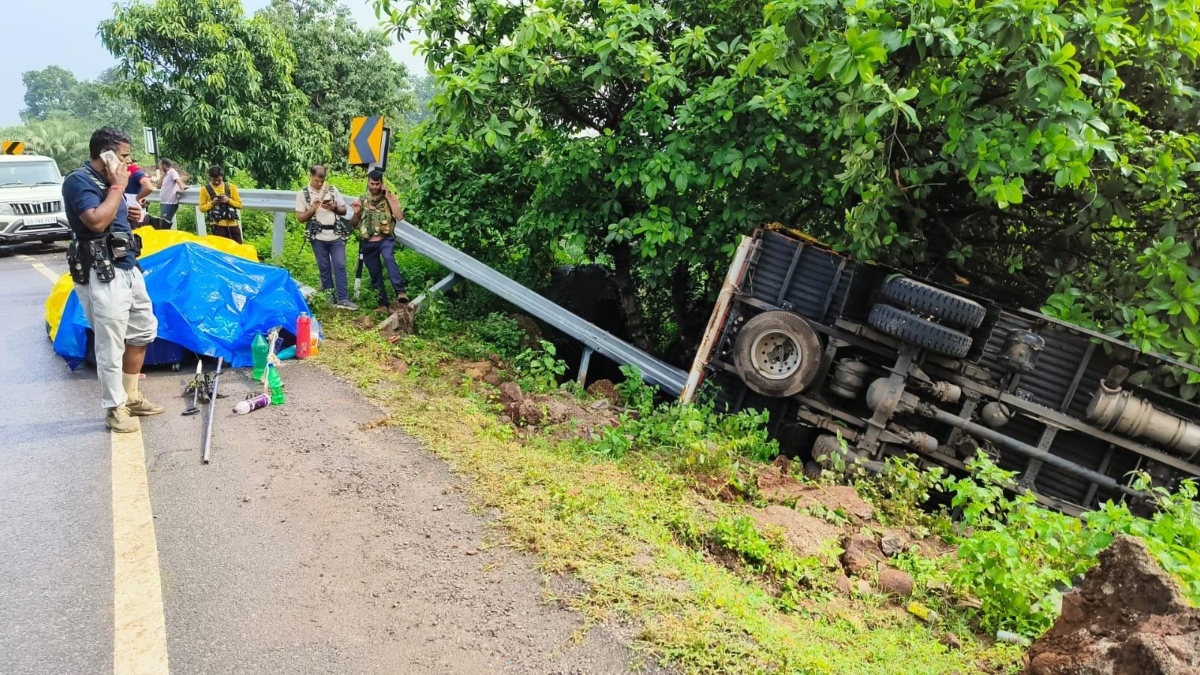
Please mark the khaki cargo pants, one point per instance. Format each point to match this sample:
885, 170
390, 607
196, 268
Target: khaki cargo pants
119, 313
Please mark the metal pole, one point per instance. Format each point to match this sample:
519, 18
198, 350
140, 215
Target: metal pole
1027, 450
201, 230
277, 235
583, 366
212, 406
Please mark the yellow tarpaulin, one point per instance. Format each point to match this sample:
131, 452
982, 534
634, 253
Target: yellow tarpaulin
153, 241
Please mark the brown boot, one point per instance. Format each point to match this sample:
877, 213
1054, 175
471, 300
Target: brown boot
142, 407
119, 420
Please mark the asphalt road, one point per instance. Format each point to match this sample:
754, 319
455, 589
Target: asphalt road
313, 543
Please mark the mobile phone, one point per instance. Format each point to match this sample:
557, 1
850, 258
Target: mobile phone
110, 160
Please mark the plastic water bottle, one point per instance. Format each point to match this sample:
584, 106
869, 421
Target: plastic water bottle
251, 404
258, 352
276, 384
303, 335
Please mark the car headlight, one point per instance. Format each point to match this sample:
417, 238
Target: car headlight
5, 209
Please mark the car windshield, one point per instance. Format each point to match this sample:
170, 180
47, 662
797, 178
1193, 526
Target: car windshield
28, 173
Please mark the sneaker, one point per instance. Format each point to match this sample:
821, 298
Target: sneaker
119, 420
143, 407
346, 304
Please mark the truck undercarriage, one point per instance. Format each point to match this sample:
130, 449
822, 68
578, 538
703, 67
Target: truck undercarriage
893, 365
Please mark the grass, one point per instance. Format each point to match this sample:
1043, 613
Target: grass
636, 534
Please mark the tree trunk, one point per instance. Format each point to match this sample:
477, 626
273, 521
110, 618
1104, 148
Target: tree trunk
623, 276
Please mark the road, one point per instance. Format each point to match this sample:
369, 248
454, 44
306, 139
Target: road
313, 543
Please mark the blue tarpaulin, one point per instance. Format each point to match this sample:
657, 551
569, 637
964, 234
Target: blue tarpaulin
206, 301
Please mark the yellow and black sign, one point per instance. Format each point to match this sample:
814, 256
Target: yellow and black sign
12, 147
366, 141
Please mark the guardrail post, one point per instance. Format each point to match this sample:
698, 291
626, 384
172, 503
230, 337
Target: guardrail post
201, 230
583, 366
277, 235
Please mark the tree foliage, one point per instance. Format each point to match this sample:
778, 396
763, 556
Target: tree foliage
217, 85
62, 112
1009, 144
343, 70
46, 90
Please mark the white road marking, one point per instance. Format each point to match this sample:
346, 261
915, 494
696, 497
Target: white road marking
139, 626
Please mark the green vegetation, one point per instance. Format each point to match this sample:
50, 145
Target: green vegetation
1017, 147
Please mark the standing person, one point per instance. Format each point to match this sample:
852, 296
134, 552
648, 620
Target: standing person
139, 188
173, 185
108, 282
318, 206
220, 200
375, 215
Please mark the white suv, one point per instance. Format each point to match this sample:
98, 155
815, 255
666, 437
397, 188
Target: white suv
31, 208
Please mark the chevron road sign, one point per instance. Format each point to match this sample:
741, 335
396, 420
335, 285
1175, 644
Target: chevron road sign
366, 141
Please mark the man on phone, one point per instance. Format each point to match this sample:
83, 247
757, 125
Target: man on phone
318, 206
375, 215
108, 282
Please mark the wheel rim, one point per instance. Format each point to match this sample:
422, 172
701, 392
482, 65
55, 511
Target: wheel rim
775, 355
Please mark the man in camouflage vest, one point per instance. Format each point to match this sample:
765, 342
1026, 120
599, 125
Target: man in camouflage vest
375, 215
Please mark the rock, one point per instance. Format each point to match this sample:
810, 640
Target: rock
1127, 617
861, 555
863, 587
558, 412
895, 582
606, 390
472, 551
529, 412
482, 371
532, 332
835, 498
510, 392
778, 487
400, 366
842, 583
805, 535
893, 544
951, 640
783, 463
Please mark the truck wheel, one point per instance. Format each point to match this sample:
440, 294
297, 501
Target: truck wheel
947, 308
777, 354
920, 332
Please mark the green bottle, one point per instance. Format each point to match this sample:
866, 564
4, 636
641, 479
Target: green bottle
258, 352
276, 384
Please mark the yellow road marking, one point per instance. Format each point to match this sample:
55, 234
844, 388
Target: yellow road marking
139, 627
45, 271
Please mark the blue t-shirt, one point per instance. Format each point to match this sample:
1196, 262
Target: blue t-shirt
135, 182
83, 190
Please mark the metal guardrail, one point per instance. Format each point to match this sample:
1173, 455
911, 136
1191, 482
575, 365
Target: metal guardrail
654, 371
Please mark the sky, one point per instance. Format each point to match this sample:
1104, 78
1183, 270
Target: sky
63, 33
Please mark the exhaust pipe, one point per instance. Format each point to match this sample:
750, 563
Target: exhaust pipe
1118, 411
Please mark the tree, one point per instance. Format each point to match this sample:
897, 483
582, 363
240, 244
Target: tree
1012, 146
63, 139
647, 147
424, 89
216, 85
46, 90
345, 71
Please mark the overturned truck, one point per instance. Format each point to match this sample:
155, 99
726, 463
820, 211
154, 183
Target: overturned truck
894, 365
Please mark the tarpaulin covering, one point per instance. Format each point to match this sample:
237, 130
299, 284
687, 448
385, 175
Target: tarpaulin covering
153, 241
210, 302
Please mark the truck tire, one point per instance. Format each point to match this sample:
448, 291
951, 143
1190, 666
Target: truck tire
946, 308
923, 333
777, 354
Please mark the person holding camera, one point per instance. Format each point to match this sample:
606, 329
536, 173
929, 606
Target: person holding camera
220, 200
318, 206
102, 258
375, 215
